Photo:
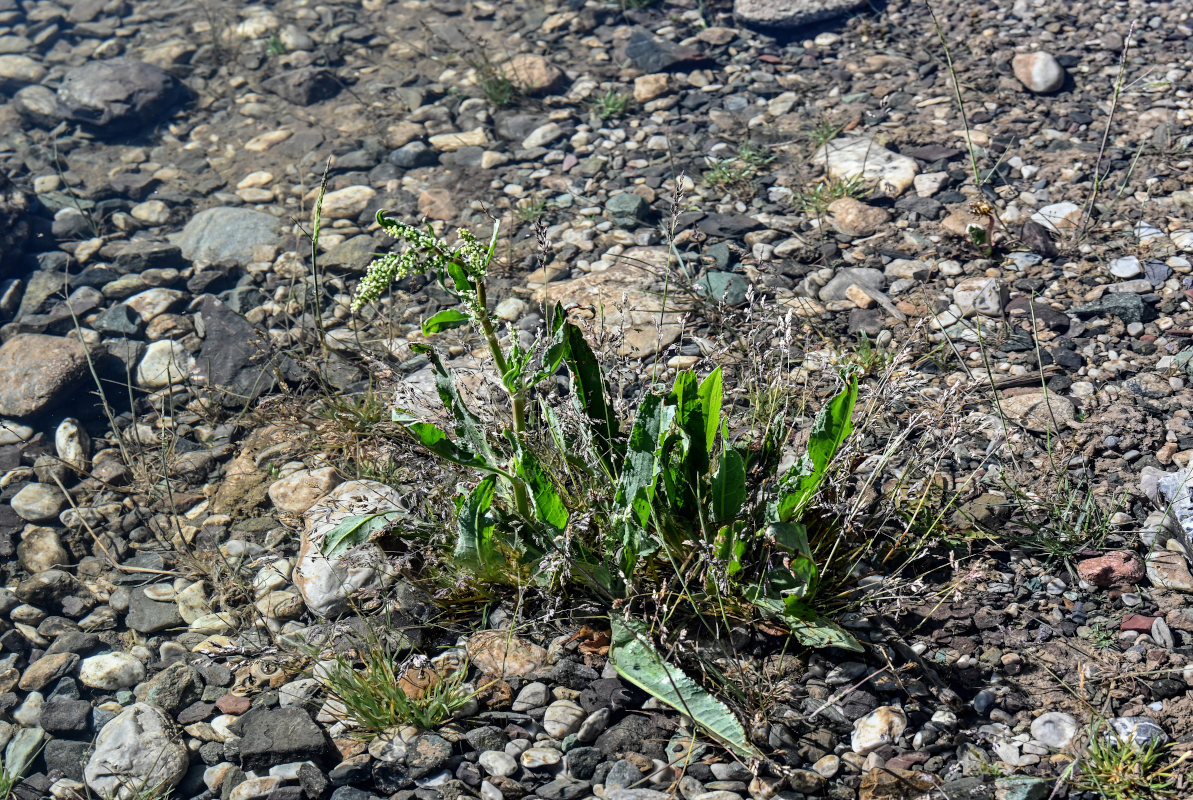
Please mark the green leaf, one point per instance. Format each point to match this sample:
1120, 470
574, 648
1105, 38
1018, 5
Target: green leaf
807, 626
468, 425
731, 548
475, 541
445, 320
806, 575
729, 486
636, 489
814, 630
690, 416
435, 439
832, 425
589, 386
791, 536
711, 392
635, 658
548, 506
355, 530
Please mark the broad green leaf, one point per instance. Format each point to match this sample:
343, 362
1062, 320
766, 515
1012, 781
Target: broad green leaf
435, 439
807, 626
711, 392
356, 530
459, 277
636, 489
475, 543
690, 417
806, 575
548, 506
814, 630
791, 536
468, 425
729, 486
589, 386
445, 320
638, 661
730, 547
832, 425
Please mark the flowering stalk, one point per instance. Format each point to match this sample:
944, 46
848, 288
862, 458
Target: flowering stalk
461, 272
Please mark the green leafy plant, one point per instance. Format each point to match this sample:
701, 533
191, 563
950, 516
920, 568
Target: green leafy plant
532, 209
817, 198
380, 691
274, 46
610, 104
737, 173
619, 509
1116, 768
497, 87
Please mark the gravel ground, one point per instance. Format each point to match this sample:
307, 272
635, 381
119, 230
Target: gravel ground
1022, 439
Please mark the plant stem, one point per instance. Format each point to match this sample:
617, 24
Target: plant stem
973, 158
516, 394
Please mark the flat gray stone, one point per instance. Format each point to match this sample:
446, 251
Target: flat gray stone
791, 13
117, 95
227, 233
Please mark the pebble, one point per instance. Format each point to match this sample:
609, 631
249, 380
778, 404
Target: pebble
539, 757
1054, 729
1040, 72
880, 727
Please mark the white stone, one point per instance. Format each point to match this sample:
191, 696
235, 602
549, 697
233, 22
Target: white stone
211, 624
13, 432
325, 585
165, 363
859, 155
255, 788
563, 717
154, 302
542, 136
1054, 729
38, 502
907, 268
539, 757
300, 490
1039, 411
1061, 218
510, 309
980, 295
929, 183
1126, 267
153, 212
111, 671
497, 763
1039, 72
347, 203
533, 695
192, 602
881, 726
447, 142
72, 444
140, 747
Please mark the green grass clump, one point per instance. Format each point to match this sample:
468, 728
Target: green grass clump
821, 195
737, 174
371, 688
611, 104
1116, 768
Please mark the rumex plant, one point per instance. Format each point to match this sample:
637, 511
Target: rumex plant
620, 511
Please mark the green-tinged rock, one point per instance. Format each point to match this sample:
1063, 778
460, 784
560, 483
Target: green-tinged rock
723, 287
1021, 787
